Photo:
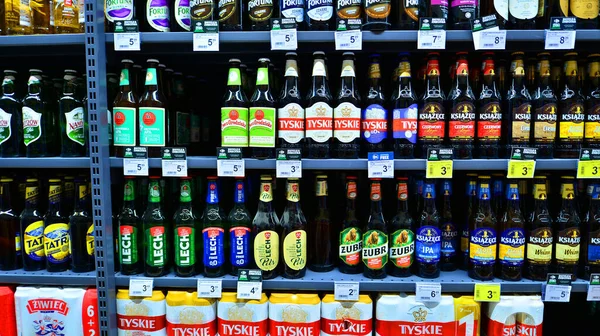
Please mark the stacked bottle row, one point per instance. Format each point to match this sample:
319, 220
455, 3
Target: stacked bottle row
49, 119
165, 16
41, 17
58, 239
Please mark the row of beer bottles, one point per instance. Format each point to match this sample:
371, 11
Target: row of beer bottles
49, 119
42, 17
62, 238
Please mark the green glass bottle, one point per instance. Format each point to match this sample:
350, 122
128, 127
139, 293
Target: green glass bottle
73, 118
156, 253
186, 231
37, 118
11, 119
129, 232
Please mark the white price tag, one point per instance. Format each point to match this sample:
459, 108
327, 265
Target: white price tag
557, 293
174, 168
431, 39
490, 40
346, 291
135, 167
381, 169
284, 39
127, 41
348, 40
560, 39
249, 290
210, 288
288, 168
141, 287
231, 168
206, 42
593, 293
429, 292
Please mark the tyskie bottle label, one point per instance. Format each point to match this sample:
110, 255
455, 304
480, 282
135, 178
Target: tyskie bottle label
32, 125
156, 246
489, 125
346, 122
319, 10
214, 247
404, 124
290, 120
33, 239
294, 250
74, 125
449, 239
482, 247
402, 248
521, 122
266, 250
512, 247
240, 246
429, 244
592, 122
539, 245
201, 10
185, 246
375, 249
182, 14
262, 127
374, 123
124, 126
351, 246
572, 122
5, 127
57, 246
377, 9
234, 127
431, 121
119, 10
152, 127
349, 9
157, 14
319, 122
128, 254
594, 247
523, 10
545, 123
568, 245
260, 10
293, 9
462, 121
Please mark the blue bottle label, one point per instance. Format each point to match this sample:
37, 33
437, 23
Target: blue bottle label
404, 125
449, 239
239, 192
482, 246
429, 243
240, 246
212, 196
214, 249
594, 247
512, 247
293, 9
374, 124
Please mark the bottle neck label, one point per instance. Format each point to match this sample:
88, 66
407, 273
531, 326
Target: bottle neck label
212, 195
402, 189
375, 195
293, 192
567, 191
484, 192
154, 192
351, 190
512, 192
185, 192
266, 192
321, 189
234, 77
239, 192
429, 191
151, 77
318, 67
262, 76
124, 79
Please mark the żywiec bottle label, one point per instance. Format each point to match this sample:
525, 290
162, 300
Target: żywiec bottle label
521, 123
57, 247
351, 246
157, 14
128, 253
185, 246
262, 127
5, 129
234, 126
266, 250
32, 125
592, 123
512, 247
293, 9
290, 119
125, 126
260, 10
523, 9
214, 247
349, 9
346, 122
544, 127
572, 122
482, 246
375, 249
74, 125
319, 122
294, 250
119, 10
374, 124
240, 246
182, 14
568, 244
33, 241
462, 121
584, 9
404, 124
156, 247
539, 245
431, 121
378, 9
449, 239
594, 247
489, 125
89, 240
429, 244
319, 10
402, 248
201, 9
152, 127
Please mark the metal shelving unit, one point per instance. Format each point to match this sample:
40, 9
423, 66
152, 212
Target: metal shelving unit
48, 162
47, 278
42, 40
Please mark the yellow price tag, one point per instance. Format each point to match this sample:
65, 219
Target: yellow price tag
487, 292
588, 169
439, 169
521, 168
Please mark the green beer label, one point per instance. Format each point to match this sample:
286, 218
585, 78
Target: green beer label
262, 76
402, 248
183, 135
5, 130
156, 246
124, 80
124, 126
351, 246
129, 193
234, 127
234, 77
185, 249
152, 126
375, 249
262, 127
74, 125
154, 192
151, 78
32, 125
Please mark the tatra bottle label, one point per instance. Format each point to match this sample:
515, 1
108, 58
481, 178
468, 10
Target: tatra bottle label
185, 250
489, 125
462, 121
351, 246
262, 127
266, 250
57, 246
512, 247
431, 121
119, 10
521, 123
482, 247
234, 127
294, 250
214, 247
5, 129
156, 246
523, 9
349, 9
375, 249
592, 123
346, 122
157, 14
584, 9
201, 9
33, 241
125, 126
260, 10
128, 254
152, 127
378, 9
449, 239
290, 119
293, 9
319, 10
404, 123
594, 247
571, 123
402, 248
545, 123
539, 245
568, 244
319, 122
429, 244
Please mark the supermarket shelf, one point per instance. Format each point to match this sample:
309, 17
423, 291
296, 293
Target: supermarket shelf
457, 282
21, 277
47, 162
208, 162
42, 40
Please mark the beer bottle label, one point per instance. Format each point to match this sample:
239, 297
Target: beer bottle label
377, 9
374, 124
545, 123
351, 246
201, 9
521, 122
214, 247
482, 247
234, 127
431, 121
349, 9
462, 121
592, 122
539, 245
89, 240
466, 8
185, 246
523, 9
33, 239
319, 10
584, 9
346, 122
571, 122
294, 250
18, 243
501, 7
262, 127
290, 119
240, 246
266, 193
429, 244
319, 122
266, 250
489, 125
449, 235
182, 14
226, 9
119, 10
512, 247
293, 9
404, 124
32, 125
402, 248
56, 243
260, 10
183, 134
594, 247
128, 253
5, 126
152, 127
567, 245
157, 14
75, 122
375, 249
156, 247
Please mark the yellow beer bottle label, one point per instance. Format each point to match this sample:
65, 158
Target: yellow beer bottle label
31, 192
539, 245
56, 242
294, 250
266, 192
89, 240
568, 244
584, 9
266, 250
33, 238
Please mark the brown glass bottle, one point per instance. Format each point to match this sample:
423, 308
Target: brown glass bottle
592, 107
294, 242
571, 113
489, 112
568, 231
262, 115
432, 116
511, 248
266, 231
449, 256
153, 113
461, 127
517, 119
350, 237
41, 16
375, 240
402, 235
321, 256
482, 234
544, 117
230, 14
319, 113
10, 231
403, 119
290, 113
530, 74
428, 236
180, 126
539, 234
407, 12
346, 114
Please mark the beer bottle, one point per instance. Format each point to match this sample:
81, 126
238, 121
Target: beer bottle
240, 230
68, 195
471, 193
419, 197
130, 241
586, 12
475, 78
180, 129
482, 235
57, 246
37, 117
518, 114
187, 244
489, 116
462, 118
567, 233
41, 16
158, 17
522, 14
10, 231
374, 114
375, 239
66, 17
213, 233
351, 235
156, 253
18, 19
501, 69
346, 115
293, 223
234, 113
293, 9
555, 74
571, 120
230, 15
407, 14
428, 236
592, 228
432, 114
545, 110
153, 112
402, 236
511, 250
319, 15
462, 13
265, 231
32, 229
592, 122
405, 112
377, 14
119, 10
449, 231
540, 234
348, 9
82, 230
262, 114
319, 114
498, 194
530, 75
290, 114
321, 259
73, 119
11, 119
181, 15
260, 13
438, 10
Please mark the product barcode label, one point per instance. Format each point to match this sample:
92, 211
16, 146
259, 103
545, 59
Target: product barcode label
557, 293
249, 290
487, 292
346, 291
521, 169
